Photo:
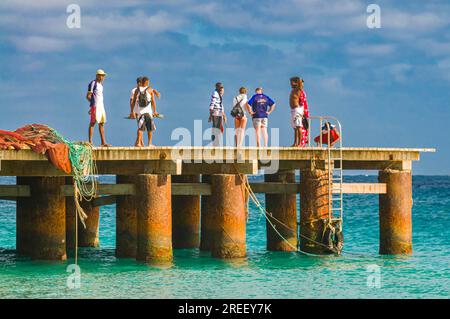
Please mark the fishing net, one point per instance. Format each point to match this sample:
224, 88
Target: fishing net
74, 158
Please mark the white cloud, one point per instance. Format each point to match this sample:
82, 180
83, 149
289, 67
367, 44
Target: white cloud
40, 44
370, 49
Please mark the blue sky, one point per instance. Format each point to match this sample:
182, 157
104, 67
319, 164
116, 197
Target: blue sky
388, 86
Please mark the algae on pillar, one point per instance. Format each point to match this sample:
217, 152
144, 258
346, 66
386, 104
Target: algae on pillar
314, 211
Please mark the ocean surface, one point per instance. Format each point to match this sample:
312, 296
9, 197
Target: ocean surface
359, 273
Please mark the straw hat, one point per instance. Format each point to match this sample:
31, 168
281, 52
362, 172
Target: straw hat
100, 72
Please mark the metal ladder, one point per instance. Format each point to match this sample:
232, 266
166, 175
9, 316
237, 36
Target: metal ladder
335, 172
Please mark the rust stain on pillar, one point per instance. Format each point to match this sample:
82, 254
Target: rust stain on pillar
395, 212
313, 210
154, 211
126, 221
205, 219
283, 207
43, 217
186, 216
227, 208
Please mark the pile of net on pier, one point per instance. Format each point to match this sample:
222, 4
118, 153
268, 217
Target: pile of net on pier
75, 158
40, 139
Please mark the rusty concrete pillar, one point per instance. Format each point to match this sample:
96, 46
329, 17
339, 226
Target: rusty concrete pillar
228, 222
395, 212
89, 236
41, 219
126, 221
313, 210
154, 217
205, 219
282, 209
24, 221
186, 215
70, 223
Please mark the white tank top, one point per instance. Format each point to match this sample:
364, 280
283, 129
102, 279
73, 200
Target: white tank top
144, 110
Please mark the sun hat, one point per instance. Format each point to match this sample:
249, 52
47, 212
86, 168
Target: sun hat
100, 72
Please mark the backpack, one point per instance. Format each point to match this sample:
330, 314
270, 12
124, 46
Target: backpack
94, 87
237, 111
142, 98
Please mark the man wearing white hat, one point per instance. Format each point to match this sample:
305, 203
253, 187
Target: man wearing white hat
97, 108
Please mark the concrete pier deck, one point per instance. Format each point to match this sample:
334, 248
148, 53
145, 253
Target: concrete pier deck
212, 160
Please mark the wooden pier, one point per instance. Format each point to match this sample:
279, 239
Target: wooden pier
194, 197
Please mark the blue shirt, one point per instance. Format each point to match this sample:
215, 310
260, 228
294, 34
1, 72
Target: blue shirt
260, 104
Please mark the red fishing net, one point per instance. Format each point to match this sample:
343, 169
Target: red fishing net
40, 139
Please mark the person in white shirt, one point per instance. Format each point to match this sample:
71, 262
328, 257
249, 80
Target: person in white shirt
134, 107
97, 107
240, 118
145, 110
216, 113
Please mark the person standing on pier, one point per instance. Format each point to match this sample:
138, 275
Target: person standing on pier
97, 107
134, 107
145, 109
260, 106
216, 113
238, 112
299, 112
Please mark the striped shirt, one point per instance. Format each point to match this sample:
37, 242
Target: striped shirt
216, 105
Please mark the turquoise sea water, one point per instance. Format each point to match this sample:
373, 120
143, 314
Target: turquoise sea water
262, 274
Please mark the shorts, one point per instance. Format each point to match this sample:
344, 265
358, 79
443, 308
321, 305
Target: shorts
98, 115
146, 123
297, 117
217, 122
257, 122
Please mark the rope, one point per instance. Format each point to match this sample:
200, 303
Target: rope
265, 213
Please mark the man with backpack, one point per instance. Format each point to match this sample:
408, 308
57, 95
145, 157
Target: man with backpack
145, 110
97, 107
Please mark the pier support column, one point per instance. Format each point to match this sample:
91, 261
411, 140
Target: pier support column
313, 210
41, 219
186, 216
283, 209
205, 224
89, 236
395, 212
227, 207
70, 218
126, 221
154, 216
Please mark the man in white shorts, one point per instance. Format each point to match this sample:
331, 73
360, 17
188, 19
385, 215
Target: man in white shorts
297, 102
97, 107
